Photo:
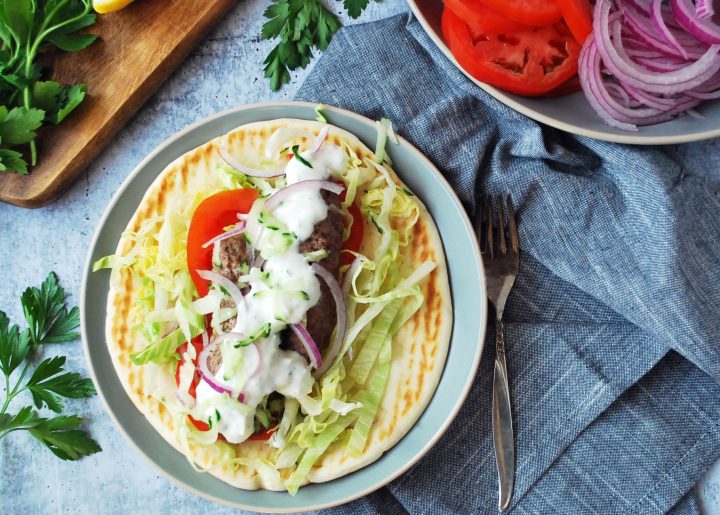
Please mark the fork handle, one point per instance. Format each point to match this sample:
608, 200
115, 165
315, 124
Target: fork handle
502, 423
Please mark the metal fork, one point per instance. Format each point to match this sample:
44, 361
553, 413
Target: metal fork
501, 268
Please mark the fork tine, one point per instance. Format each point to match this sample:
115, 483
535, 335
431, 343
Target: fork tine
501, 226
480, 223
512, 225
489, 233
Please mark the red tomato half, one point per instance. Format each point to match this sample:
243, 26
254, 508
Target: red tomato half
528, 62
578, 16
265, 435
198, 344
210, 217
529, 12
481, 18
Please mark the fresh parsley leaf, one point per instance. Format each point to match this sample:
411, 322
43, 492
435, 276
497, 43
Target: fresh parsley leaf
45, 95
12, 161
19, 16
61, 436
47, 317
70, 98
27, 28
355, 7
72, 42
23, 419
300, 25
50, 322
45, 385
19, 124
14, 345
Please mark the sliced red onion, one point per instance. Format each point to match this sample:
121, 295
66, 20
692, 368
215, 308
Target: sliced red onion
341, 312
308, 185
252, 172
703, 28
704, 9
259, 359
309, 344
318, 143
659, 21
205, 373
648, 33
226, 283
224, 236
619, 63
612, 112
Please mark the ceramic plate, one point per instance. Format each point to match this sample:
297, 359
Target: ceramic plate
466, 281
572, 113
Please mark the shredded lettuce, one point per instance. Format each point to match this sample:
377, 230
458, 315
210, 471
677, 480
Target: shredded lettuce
370, 399
319, 116
384, 132
365, 359
318, 446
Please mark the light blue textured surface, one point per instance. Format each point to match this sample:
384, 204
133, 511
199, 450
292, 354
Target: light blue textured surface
223, 72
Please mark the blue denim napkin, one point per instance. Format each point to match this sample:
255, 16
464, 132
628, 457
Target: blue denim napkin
614, 323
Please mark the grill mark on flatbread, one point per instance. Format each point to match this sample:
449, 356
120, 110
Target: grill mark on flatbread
410, 386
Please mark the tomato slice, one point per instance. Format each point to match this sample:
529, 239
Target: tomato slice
481, 18
578, 16
197, 342
527, 62
529, 12
210, 217
265, 435
355, 239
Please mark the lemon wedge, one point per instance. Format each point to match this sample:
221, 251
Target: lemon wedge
108, 6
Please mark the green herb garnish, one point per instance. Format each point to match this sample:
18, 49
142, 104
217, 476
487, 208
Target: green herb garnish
49, 321
301, 26
263, 332
374, 222
319, 115
27, 27
296, 151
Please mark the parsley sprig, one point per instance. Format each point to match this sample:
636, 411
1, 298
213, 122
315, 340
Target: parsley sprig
49, 321
300, 25
27, 28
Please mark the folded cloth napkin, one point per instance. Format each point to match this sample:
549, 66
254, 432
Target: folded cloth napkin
613, 325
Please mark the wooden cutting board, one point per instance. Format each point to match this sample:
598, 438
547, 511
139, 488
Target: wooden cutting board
139, 48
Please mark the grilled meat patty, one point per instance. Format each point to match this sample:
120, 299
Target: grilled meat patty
322, 317
327, 235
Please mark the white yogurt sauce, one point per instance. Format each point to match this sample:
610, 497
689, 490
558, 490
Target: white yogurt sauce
280, 294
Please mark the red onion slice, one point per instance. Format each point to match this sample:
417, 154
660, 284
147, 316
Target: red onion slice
224, 236
657, 18
704, 9
309, 344
308, 185
318, 143
252, 172
341, 312
226, 283
259, 359
619, 63
703, 28
205, 373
